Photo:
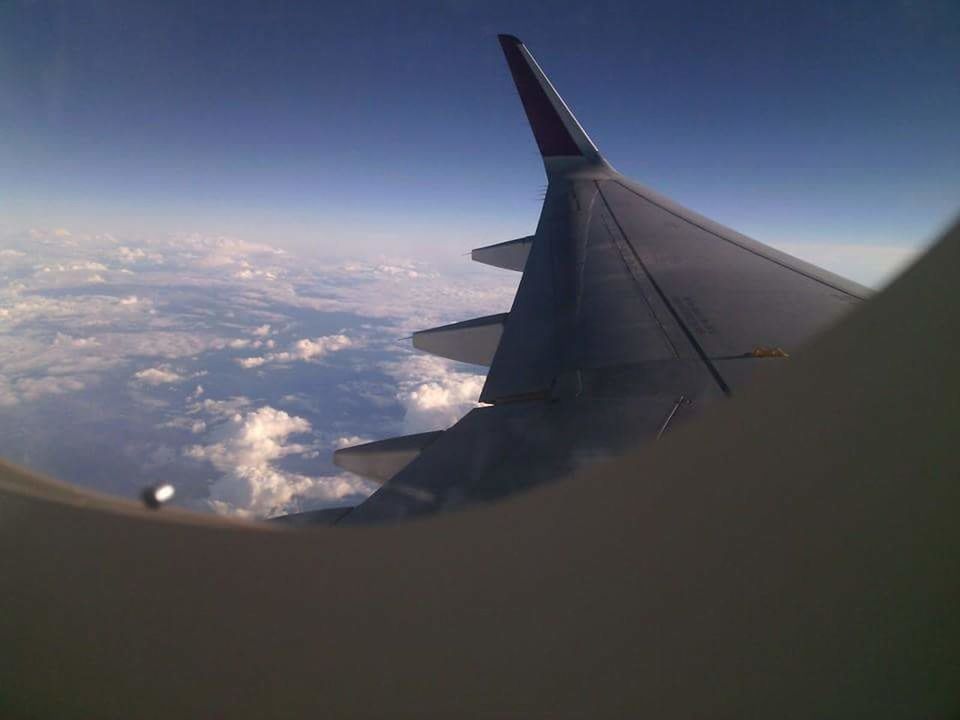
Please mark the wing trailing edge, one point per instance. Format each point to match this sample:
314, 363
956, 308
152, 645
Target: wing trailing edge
313, 518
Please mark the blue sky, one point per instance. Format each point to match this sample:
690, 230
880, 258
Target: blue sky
394, 127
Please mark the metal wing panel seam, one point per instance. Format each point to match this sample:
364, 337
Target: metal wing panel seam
733, 242
714, 372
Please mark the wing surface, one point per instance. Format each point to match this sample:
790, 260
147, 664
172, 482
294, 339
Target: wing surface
618, 274
632, 313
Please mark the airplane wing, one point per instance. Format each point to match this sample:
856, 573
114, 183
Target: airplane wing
632, 314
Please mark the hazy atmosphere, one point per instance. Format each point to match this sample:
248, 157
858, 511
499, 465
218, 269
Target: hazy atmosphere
219, 222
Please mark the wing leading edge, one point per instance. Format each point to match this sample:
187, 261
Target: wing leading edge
632, 313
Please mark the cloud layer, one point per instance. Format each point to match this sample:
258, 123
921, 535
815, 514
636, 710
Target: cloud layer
104, 340
305, 350
245, 450
434, 392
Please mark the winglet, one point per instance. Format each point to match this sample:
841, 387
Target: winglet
556, 130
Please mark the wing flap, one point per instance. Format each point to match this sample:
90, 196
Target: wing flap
499, 450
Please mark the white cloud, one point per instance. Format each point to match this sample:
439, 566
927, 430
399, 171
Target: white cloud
84, 266
433, 393
406, 270
307, 349
302, 350
220, 409
18, 308
188, 299
220, 251
185, 423
128, 255
411, 296
245, 449
88, 265
162, 375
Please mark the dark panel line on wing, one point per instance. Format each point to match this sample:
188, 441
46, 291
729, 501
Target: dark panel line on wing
736, 244
676, 316
585, 249
533, 395
626, 253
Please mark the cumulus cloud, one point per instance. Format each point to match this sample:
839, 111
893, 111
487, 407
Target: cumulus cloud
307, 349
245, 451
242, 344
162, 375
302, 350
406, 270
219, 409
434, 394
128, 255
249, 273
